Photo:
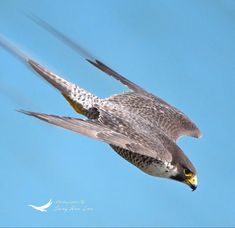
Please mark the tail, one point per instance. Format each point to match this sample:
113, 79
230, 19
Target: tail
81, 100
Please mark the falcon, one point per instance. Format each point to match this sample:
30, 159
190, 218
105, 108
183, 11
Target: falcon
141, 127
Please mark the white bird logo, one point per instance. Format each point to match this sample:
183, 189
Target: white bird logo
43, 207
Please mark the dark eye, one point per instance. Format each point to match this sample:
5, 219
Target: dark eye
187, 172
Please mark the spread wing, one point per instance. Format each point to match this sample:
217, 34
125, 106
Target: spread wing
145, 113
95, 62
98, 131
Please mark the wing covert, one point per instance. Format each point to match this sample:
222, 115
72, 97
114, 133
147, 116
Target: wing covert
151, 113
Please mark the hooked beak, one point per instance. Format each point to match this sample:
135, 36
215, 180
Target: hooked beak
192, 182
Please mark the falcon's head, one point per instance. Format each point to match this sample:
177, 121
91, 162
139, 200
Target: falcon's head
186, 176
186, 172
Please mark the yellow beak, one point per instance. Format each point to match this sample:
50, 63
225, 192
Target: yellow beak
192, 182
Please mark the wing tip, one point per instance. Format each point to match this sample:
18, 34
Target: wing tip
23, 111
8, 46
40, 116
197, 133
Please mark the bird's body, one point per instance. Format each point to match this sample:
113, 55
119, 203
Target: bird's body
139, 126
145, 119
149, 165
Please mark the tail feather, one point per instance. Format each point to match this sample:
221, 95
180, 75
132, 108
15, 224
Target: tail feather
81, 100
59, 83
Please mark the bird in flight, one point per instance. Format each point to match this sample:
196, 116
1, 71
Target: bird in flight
141, 127
43, 207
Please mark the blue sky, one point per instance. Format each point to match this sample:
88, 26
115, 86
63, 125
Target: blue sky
183, 51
